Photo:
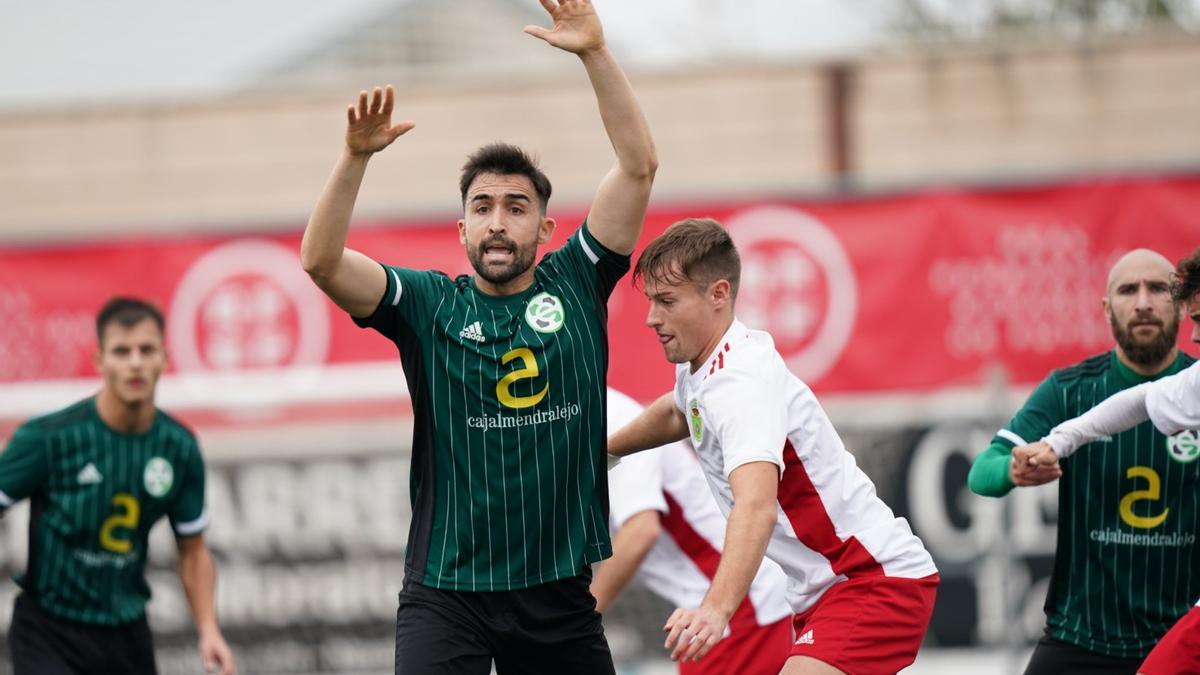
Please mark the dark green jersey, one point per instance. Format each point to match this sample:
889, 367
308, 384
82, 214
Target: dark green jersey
508, 478
1127, 564
94, 495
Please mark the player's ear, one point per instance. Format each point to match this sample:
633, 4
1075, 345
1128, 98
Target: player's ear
98, 357
546, 230
719, 292
462, 231
1107, 307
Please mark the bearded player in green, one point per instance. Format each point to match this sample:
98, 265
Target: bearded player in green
99, 474
1127, 564
506, 371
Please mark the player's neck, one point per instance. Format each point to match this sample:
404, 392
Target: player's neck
720, 328
1151, 369
122, 417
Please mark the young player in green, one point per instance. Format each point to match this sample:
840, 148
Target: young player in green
506, 371
1127, 565
99, 474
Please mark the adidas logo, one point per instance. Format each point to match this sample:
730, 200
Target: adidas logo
806, 639
89, 475
473, 332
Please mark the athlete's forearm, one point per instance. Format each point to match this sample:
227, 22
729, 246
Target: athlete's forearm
1121, 411
660, 423
749, 528
989, 474
199, 577
325, 236
631, 545
621, 114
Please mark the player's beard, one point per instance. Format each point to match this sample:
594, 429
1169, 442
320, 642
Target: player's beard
522, 259
1147, 352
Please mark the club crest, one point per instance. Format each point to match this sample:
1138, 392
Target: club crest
545, 313
158, 476
697, 423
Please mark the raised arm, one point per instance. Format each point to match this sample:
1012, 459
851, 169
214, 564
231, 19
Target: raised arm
198, 574
659, 424
352, 280
619, 207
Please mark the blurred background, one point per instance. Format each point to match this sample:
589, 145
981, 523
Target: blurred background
927, 195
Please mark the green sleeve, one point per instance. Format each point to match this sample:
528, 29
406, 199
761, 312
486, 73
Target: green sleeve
24, 466
406, 300
989, 474
1041, 412
588, 262
187, 513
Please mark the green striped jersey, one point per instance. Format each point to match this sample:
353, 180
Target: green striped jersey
1127, 564
508, 479
94, 495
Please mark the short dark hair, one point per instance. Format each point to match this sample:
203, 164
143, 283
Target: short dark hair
505, 160
127, 312
1187, 278
699, 250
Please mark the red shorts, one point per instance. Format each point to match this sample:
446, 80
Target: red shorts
867, 625
1178, 652
752, 650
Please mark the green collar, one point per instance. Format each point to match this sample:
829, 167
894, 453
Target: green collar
503, 301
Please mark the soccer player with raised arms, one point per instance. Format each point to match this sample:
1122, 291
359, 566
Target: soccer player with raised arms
1125, 567
98, 475
861, 583
506, 369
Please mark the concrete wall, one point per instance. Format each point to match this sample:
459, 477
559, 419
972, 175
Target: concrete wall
258, 162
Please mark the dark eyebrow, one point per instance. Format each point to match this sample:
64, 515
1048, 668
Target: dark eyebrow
485, 197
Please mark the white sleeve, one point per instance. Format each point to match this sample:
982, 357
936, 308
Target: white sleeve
749, 417
1174, 402
1121, 411
636, 485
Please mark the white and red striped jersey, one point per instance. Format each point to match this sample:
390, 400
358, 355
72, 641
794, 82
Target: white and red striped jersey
743, 405
681, 565
1173, 403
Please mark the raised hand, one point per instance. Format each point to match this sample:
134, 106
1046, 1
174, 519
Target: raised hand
576, 27
1034, 464
369, 126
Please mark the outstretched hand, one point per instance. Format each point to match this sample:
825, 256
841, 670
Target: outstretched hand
369, 126
576, 26
1034, 464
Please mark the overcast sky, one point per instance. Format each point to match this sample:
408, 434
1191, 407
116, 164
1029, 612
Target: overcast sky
54, 51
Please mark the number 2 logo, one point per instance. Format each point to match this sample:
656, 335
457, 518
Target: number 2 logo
1153, 492
529, 370
127, 518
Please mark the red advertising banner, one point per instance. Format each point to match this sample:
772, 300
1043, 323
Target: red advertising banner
911, 292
